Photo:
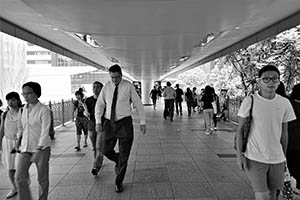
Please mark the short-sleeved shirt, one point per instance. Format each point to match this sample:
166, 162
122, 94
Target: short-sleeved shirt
80, 108
266, 127
90, 103
179, 94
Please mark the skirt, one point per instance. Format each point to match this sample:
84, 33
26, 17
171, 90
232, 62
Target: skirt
8, 159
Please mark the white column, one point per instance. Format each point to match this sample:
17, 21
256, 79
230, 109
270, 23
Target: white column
147, 85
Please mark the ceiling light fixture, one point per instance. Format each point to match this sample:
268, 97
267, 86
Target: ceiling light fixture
89, 40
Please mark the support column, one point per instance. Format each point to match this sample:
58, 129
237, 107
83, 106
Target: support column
147, 85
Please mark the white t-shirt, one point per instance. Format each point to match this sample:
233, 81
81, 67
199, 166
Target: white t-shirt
266, 127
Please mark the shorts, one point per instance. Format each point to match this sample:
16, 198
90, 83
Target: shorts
81, 125
265, 177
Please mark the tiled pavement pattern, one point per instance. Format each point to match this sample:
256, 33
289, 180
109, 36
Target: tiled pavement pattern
174, 160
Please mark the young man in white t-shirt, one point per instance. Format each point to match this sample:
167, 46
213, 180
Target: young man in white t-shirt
264, 157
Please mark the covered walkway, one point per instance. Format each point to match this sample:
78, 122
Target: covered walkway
174, 160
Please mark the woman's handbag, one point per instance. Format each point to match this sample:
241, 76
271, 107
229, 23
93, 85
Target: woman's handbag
246, 129
287, 190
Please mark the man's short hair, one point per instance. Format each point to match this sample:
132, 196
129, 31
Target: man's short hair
35, 87
268, 68
168, 83
115, 68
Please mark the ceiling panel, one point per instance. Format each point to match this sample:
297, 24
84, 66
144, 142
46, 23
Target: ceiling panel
147, 37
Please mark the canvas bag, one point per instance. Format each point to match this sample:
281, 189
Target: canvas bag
246, 129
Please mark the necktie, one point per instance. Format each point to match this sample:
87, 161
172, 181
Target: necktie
113, 105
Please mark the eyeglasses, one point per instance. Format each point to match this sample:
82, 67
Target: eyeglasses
274, 79
28, 93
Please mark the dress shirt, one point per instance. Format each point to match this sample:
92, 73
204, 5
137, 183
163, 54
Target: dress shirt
169, 93
126, 96
34, 128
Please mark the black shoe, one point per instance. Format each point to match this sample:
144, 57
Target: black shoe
171, 119
95, 171
77, 148
119, 188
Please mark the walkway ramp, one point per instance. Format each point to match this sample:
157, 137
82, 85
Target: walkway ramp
174, 160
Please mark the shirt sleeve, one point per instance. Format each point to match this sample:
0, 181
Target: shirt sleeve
289, 114
244, 110
46, 121
20, 127
100, 105
138, 104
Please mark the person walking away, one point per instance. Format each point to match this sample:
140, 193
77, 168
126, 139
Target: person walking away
264, 157
216, 100
194, 99
154, 95
189, 100
178, 99
169, 95
81, 121
8, 136
33, 132
223, 101
207, 100
114, 102
90, 103
293, 150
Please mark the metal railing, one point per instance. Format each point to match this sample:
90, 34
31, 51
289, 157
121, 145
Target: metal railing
62, 112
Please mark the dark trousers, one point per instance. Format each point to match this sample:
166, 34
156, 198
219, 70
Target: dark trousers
169, 108
122, 130
293, 163
178, 104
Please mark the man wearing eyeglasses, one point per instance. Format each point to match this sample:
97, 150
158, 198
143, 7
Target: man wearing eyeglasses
264, 158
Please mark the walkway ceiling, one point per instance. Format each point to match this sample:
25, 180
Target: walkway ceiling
147, 37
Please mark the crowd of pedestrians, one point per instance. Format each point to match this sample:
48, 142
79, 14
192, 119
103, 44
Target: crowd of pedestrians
272, 144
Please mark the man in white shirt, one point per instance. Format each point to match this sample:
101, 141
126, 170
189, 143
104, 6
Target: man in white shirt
264, 157
169, 95
114, 102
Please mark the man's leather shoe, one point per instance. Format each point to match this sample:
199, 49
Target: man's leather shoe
119, 188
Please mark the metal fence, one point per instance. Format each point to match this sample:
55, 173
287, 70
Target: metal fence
62, 111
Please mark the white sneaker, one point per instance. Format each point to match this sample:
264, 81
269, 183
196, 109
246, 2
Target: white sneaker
207, 132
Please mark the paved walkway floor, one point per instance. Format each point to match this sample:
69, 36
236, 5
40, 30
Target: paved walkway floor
174, 160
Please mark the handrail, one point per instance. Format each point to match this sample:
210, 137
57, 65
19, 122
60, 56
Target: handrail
62, 112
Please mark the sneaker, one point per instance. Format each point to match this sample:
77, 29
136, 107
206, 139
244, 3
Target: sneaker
207, 132
77, 148
85, 145
95, 171
215, 128
119, 188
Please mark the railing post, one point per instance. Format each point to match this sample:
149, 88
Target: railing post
63, 111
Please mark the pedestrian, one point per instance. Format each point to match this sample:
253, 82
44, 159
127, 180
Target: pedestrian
224, 104
154, 95
195, 101
178, 99
114, 102
90, 103
216, 110
189, 100
264, 157
81, 121
33, 132
8, 136
207, 99
293, 150
169, 95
